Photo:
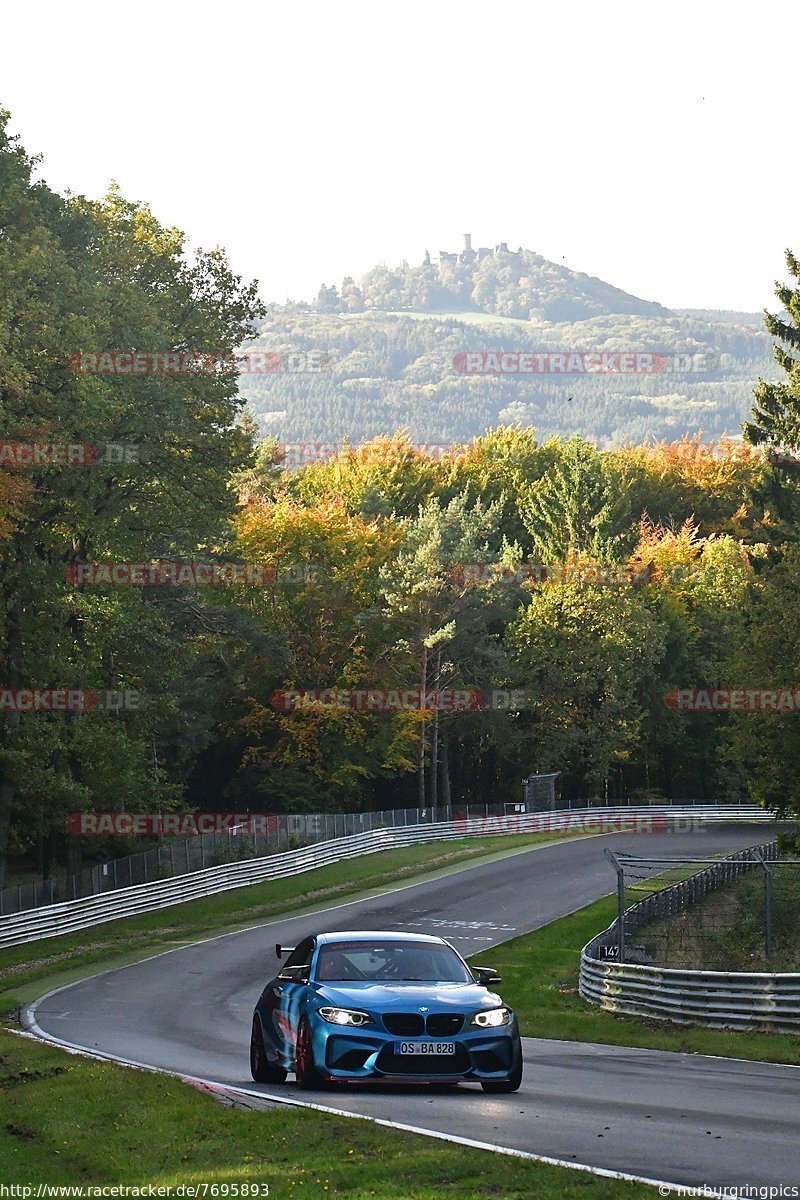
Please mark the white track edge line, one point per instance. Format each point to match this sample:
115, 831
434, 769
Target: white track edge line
38, 1034
28, 1011
357, 899
34, 1004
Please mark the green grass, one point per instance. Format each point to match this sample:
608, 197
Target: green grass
725, 931
468, 318
29, 970
69, 1120
540, 981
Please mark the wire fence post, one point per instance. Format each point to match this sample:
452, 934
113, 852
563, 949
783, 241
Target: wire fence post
767, 902
618, 867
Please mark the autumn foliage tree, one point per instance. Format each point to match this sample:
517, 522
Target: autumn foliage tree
85, 276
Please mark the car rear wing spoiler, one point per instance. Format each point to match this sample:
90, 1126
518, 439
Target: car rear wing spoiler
281, 950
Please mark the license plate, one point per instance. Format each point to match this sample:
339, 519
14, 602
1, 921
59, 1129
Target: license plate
425, 1047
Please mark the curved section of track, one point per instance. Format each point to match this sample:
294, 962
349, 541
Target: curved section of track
683, 1118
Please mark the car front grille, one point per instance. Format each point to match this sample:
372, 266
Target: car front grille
404, 1024
415, 1025
444, 1024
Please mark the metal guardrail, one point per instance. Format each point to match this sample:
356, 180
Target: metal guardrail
744, 1000
179, 855
718, 999
73, 915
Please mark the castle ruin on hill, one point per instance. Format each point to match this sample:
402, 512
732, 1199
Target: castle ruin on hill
468, 255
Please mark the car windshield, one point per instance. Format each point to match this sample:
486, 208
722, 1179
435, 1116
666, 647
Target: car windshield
390, 962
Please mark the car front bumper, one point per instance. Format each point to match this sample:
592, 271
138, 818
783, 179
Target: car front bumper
360, 1054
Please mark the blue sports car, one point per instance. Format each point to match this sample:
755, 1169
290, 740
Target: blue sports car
400, 1007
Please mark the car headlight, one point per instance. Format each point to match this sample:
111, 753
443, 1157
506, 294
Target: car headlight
345, 1016
490, 1018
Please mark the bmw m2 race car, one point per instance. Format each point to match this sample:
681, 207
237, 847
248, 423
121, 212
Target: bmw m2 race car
399, 1007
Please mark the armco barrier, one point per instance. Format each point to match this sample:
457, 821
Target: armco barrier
718, 999
73, 915
746, 1000
182, 853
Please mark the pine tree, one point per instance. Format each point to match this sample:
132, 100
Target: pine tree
776, 410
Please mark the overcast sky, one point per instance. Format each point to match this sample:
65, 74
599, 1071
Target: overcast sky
648, 143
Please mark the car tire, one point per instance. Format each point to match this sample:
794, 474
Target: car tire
514, 1080
261, 1068
305, 1068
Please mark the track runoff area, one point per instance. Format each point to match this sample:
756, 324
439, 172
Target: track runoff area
673, 1120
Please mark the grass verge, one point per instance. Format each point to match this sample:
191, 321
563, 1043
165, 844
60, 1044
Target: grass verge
69, 1120
540, 981
29, 970
726, 930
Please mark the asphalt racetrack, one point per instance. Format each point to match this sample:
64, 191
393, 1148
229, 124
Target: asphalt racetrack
674, 1117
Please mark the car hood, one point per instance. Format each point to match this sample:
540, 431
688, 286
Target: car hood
402, 997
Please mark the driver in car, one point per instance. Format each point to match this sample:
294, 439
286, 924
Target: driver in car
334, 966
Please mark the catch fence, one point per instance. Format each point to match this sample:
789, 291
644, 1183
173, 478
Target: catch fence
82, 912
716, 943
284, 831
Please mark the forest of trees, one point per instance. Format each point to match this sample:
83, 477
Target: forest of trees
361, 565
390, 342
503, 282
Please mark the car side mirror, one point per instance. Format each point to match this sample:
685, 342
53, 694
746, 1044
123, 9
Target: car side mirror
298, 974
486, 975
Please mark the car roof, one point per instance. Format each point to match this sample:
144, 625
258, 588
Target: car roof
350, 935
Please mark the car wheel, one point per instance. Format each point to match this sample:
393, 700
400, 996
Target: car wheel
514, 1080
261, 1068
304, 1066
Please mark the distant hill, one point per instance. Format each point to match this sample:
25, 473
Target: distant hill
498, 281
394, 347
724, 316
